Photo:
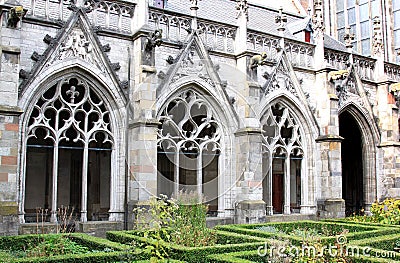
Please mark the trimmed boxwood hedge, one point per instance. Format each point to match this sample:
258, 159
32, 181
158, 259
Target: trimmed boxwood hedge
380, 242
252, 256
363, 231
117, 252
195, 254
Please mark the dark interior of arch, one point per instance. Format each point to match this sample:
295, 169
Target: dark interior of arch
352, 164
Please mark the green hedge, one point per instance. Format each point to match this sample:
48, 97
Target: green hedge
381, 242
363, 231
117, 252
252, 256
194, 254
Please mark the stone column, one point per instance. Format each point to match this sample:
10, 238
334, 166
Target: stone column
142, 131
388, 99
330, 202
250, 205
388, 115
10, 199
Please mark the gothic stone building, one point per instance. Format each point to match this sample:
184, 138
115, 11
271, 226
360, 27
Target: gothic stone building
259, 110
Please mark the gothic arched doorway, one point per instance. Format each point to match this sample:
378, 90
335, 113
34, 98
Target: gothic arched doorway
352, 163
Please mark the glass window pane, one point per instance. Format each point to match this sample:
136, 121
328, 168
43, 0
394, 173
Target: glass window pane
351, 3
339, 5
397, 38
366, 47
340, 20
353, 30
396, 19
341, 34
375, 9
364, 12
355, 46
363, 2
396, 4
365, 31
352, 15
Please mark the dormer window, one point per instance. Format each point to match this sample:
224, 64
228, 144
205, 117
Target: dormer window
160, 3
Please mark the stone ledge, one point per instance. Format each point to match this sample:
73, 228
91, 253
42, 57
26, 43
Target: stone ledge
144, 122
8, 208
246, 131
389, 144
11, 49
329, 138
10, 110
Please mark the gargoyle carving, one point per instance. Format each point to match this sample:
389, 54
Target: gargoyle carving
15, 15
154, 39
340, 74
258, 60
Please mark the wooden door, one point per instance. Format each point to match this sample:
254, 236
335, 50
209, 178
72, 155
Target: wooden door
277, 193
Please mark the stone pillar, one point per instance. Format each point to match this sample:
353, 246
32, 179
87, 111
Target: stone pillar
142, 131
9, 122
388, 114
250, 205
388, 98
330, 202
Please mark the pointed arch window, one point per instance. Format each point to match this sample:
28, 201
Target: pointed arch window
282, 160
69, 145
189, 148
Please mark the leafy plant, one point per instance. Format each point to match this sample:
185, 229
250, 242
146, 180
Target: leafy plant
190, 228
385, 212
55, 245
181, 221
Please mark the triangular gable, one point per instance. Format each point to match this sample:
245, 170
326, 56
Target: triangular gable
351, 90
193, 62
76, 40
194, 65
283, 77
283, 80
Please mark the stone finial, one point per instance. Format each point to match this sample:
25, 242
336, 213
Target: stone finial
348, 38
281, 19
194, 4
377, 42
193, 13
318, 18
242, 8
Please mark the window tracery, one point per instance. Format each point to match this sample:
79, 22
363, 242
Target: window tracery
70, 116
190, 134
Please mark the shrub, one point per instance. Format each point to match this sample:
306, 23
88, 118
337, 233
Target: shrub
385, 212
